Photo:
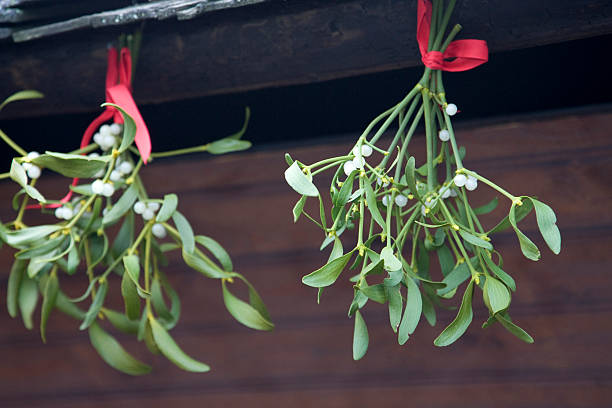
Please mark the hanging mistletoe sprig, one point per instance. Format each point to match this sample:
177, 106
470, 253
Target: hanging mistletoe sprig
78, 244
418, 212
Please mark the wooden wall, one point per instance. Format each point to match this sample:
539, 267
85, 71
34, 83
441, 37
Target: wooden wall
242, 200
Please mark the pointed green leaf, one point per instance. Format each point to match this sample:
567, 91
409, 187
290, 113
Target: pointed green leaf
129, 128
375, 292
300, 182
96, 305
395, 306
123, 205
514, 329
455, 278
360, 337
185, 231
28, 298
529, 249
207, 267
547, 224
474, 240
49, 296
114, 354
131, 299
410, 178
496, 295
412, 313
20, 96
298, 208
520, 213
503, 276
373, 205
244, 312
121, 322
14, 283
227, 145
171, 350
217, 250
461, 322
487, 208
168, 208
26, 236
71, 165
327, 274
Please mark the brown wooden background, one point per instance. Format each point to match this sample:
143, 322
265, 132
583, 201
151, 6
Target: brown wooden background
564, 301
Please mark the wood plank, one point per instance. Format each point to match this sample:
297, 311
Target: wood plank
275, 44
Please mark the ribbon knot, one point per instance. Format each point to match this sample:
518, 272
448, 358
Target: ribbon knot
460, 55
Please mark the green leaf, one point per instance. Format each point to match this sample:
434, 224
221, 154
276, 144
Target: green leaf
169, 316
547, 224
390, 261
217, 250
529, 249
122, 206
474, 240
360, 337
337, 250
49, 296
428, 310
327, 274
245, 124
129, 128
520, 213
95, 307
342, 198
496, 295
412, 313
227, 145
514, 329
171, 350
18, 174
26, 236
373, 206
131, 263
71, 165
168, 208
447, 262
28, 297
461, 322
300, 182
114, 354
503, 276
131, 299
68, 308
487, 208
395, 306
20, 96
73, 260
375, 292
410, 178
206, 267
244, 312
120, 321
14, 283
185, 231
298, 208
125, 236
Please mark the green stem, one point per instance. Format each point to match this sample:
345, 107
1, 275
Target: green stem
12, 144
490, 184
177, 152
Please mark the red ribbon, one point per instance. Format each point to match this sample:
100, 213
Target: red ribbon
460, 55
118, 92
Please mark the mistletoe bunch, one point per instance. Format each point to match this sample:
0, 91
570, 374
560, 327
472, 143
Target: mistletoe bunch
406, 214
79, 242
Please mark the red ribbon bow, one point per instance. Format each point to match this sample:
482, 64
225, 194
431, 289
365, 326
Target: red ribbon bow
118, 92
460, 55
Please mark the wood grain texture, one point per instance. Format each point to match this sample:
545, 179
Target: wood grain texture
275, 44
242, 200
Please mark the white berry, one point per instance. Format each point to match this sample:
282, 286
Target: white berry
97, 138
471, 183
159, 231
115, 175
148, 214
67, 213
358, 163
460, 180
59, 212
385, 200
401, 200
94, 154
451, 109
34, 172
444, 192
97, 187
115, 129
125, 167
139, 207
153, 206
349, 167
108, 190
444, 135
104, 130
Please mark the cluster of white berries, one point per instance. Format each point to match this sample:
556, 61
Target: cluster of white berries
66, 212
122, 169
147, 210
100, 187
451, 109
106, 137
352, 165
446, 191
470, 182
32, 170
400, 200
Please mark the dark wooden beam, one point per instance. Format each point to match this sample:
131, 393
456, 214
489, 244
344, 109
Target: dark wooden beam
276, 43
